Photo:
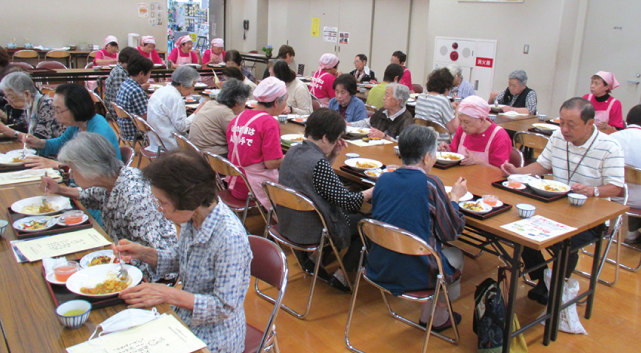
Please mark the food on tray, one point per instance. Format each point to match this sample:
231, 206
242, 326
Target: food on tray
17, 159
555, 188
472, 206
515, 184
363, 131
41, 208
110, 285
34, 225
450, 156
298, 139
368, 165
101, 260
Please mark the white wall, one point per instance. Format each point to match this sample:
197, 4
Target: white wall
57, 23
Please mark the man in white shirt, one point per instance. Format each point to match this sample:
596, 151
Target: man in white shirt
590, 161
629, 139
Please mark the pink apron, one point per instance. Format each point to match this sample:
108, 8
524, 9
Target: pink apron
182, 60
324, 100
255, 173
602, 115
485, 155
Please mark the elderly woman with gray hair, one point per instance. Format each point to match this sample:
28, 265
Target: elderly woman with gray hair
517, 96
416, 201
209, 129
121, 193
21, 94
166, 111
389, 121
462, 87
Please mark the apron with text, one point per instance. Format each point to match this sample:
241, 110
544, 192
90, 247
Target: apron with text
317, 80
485, 155
255, 173
602, 115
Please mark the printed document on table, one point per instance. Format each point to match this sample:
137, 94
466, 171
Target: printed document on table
538, 228
61, 244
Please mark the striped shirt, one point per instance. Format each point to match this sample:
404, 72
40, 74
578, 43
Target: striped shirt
437, 108
603, 163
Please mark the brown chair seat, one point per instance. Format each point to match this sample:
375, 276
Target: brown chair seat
253, 338
232, 201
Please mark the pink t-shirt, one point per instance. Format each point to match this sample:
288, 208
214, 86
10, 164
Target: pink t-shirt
407, 79
616, 113
500, 149
259, 141
188, 58
103, 54
208, 54
322, 85
153, 56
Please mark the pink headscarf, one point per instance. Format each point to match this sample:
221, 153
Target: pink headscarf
270, 89
474, 107
609, 78
110, 39
217, 42
148, 40
327, 61
183, 39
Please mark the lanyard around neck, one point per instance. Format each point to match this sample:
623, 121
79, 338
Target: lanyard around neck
567, 153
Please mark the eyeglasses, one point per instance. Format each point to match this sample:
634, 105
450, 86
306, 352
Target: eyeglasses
161, 206
60, 111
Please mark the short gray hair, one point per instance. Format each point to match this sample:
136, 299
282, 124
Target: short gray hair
185, 76
401, 92
455, 70
415, 142
233, 92
91, 155
18, 82
520, 76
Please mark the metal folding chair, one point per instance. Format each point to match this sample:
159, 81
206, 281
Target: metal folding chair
123, 114
26, 55
103, 109
632, 176
127, 154
60, 55
531, 144
516, 158
268, 265
143, 126
184, 142
283, 196
404, 242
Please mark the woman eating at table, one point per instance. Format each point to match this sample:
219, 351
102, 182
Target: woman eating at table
74, 109
128, 209
307, 168
182, 53
299, 100
351, 108
166, 111
148, 49
478, 138
108, 55
414, 200
322, 86
434, 105
362, 72
233, 59
213, 256
389, 121
608, 116
216, 54
517, 97
253, 138
21, 94
234, 72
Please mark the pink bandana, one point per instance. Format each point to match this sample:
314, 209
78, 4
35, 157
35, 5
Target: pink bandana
327, 61
183, 39
474, 107
609, 78
270, 89
148, 40
217, 42
110, 39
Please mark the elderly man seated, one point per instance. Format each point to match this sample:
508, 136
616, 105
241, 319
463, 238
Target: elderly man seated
414, 200
588, 160
389, 121
462, 87
517, 96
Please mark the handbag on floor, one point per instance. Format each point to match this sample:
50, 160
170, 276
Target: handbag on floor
569, 320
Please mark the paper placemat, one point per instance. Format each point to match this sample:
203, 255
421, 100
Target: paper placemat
538, 228
163, 335
24, 176
61, 244
361, 143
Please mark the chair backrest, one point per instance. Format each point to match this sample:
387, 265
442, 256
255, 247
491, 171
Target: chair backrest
516, 158
54, 65
533, 140
316, 105
184, 142
22, 65
143, 126
59, 54
120, 112
437, 126
26, 54
222, 165
127, 154
48, 91
632, 174
287, 197
417, 88
101, 105
91, 55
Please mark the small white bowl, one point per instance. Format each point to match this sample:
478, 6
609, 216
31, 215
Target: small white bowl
282, 118
577, 199
397, 151
74, 321
525, 210
352, 155
3, 226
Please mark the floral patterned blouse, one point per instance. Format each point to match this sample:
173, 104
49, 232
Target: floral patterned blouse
46, 124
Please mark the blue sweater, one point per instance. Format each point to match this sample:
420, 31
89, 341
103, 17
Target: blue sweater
355, 109
97, 124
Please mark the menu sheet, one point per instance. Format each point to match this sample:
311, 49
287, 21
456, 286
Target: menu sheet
361, 143
538, 228
24, 176
163, 335
61, 244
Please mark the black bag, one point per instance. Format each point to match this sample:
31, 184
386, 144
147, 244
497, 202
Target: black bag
489, 316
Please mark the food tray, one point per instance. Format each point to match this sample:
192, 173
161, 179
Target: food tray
440, 165
12, 168
539, 131
350, 170
60, 294
527, 192
495, 211
57, 229
550, 121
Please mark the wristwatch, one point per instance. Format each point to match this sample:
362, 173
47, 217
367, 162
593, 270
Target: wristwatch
596, 191
16, 134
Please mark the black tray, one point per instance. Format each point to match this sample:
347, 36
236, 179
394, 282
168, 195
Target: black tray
358, 173
12, 168
57, 229
440, 165
495, 211
539, 131
528, 192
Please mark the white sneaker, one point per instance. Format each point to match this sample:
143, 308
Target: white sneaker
633, 238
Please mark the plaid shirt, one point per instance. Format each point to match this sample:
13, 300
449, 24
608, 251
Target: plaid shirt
117, 76
214, 264
132, 98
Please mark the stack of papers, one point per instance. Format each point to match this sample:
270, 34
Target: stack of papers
538, 228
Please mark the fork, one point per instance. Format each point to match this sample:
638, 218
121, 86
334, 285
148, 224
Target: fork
44, 198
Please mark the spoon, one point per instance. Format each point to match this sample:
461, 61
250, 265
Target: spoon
122, 273
44, 198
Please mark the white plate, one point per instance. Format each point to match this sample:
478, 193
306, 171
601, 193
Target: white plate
546, 127
507, 185
62, 222
200, 85
158, 65
59, 203
196, 66
467, 197
524, 178
50, 222
291, 137
91, 276
299, 117
357, 132
499, 203
51, 278
440, 157
354, 163
7, 158
538, 187
86, 260
217, 65
486, 208
497, 107
252, 103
